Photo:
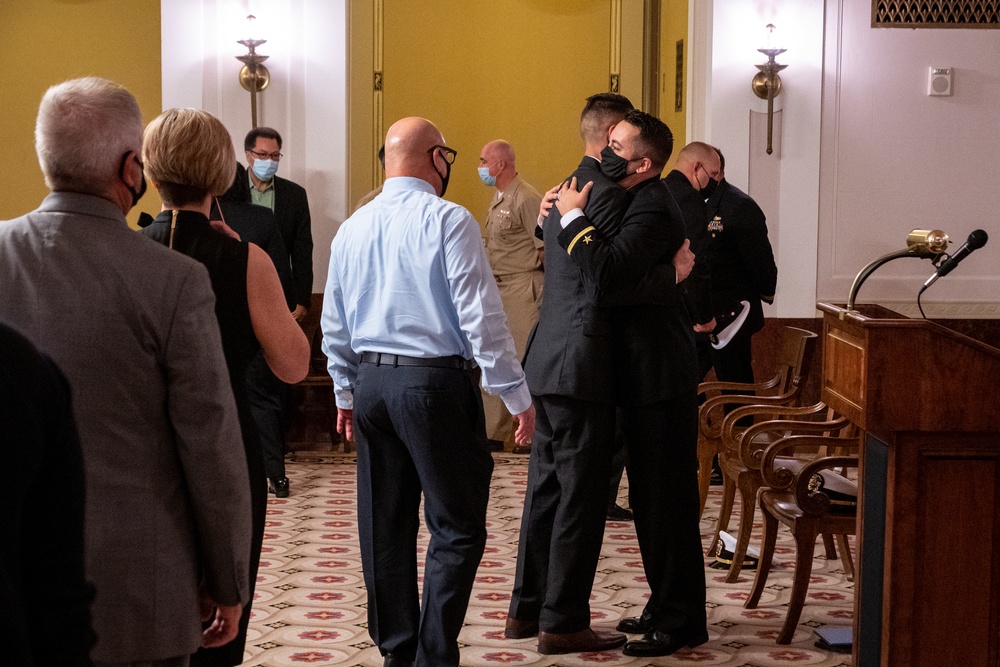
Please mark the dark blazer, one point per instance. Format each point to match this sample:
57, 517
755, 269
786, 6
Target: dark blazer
692, 207
255, 224
291, 216
569, 352
45, 613
653, 343
739, 253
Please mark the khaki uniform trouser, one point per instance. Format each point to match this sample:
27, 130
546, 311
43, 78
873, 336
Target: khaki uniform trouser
521, 295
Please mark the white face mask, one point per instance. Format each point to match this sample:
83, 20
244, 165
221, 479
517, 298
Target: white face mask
265, 169
484, 175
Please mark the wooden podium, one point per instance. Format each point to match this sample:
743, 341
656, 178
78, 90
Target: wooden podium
928, 401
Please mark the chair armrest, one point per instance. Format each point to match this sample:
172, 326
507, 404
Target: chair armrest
729, 421
779, 477
712, 428
751, 453
817, 502
739, 387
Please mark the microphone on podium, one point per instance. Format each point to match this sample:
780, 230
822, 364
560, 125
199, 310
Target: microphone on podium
977, 239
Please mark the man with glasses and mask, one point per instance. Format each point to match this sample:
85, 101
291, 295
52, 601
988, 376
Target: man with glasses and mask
655, 369
410, 308
132, 326
288, 201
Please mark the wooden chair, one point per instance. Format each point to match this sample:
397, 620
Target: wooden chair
742, 455
793, 360
793, 499
319, 384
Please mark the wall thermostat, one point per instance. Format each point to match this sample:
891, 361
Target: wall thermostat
939, 81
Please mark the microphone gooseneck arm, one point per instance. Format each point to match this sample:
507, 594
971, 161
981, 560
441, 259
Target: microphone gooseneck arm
874, 264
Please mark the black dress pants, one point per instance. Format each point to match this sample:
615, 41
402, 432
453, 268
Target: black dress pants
564, 513
663, 493
733, 363
420, 431
268, 398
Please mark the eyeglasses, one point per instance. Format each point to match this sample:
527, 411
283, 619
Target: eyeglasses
265, 156
449, 154
715, 177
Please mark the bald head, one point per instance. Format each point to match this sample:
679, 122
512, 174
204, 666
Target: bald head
698, 157
414, 147
698, 151
407, 145
498, 158
498, 149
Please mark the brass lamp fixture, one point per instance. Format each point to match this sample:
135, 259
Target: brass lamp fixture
254, 77
766, 83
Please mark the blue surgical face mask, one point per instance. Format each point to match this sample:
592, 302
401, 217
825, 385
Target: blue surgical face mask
265, 169
484, 175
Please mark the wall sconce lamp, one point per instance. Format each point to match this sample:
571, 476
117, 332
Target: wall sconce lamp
766, 83
254, 77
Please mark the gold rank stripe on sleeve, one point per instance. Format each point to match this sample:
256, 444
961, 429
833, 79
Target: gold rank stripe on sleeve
576, 238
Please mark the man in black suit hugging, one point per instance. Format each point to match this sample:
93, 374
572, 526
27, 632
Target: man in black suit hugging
656, 378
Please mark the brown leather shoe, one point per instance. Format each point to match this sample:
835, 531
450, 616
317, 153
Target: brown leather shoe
554, 643
519, 629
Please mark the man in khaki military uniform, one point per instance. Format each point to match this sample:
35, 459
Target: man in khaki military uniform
515, 255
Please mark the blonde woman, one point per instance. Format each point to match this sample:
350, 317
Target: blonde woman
189, 159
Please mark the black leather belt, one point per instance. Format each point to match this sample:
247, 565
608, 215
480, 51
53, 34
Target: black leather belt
382, 359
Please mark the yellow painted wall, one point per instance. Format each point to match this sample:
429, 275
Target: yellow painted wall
44, 42
673, 27
519, 70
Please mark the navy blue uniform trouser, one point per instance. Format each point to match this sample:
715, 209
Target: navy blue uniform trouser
420, 430
663, 493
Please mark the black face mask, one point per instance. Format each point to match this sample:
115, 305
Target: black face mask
446, 177
136, 195
709, 189
612, 165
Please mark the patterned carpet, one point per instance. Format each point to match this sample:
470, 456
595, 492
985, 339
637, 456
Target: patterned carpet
310, 602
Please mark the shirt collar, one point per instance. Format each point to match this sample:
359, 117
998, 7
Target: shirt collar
253, 186
404, 183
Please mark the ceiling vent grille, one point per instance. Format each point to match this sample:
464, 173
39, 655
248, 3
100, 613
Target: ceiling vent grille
936, 13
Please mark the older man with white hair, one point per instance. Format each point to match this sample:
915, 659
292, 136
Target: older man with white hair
132, 326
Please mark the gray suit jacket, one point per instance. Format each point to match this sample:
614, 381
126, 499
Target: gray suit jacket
131, 324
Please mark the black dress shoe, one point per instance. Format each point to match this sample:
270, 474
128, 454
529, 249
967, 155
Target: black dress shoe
657, 643
278, 486
521, 449
495, 445
716, 479
394, 661
618, 513
636, 625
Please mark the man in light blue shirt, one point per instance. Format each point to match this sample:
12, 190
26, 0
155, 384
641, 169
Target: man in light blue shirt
410, 302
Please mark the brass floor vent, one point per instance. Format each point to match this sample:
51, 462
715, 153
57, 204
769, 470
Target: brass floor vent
936, 13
